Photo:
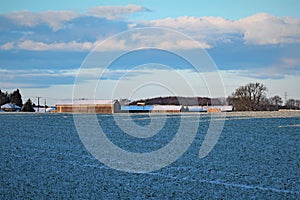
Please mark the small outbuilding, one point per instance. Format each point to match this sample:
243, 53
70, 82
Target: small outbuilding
10, 107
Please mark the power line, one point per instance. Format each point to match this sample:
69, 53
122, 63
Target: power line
45, 104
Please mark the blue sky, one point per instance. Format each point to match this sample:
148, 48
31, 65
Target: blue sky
231, 9
43, 44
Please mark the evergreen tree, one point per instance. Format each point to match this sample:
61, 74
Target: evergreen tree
27, 107
16, 98
3, 98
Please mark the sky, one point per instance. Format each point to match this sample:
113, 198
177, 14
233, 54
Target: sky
140, 49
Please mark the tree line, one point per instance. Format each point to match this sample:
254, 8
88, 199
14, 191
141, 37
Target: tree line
16, 98
252, 97
173, 100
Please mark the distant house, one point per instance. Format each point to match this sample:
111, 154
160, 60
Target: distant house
10, 107
89, 106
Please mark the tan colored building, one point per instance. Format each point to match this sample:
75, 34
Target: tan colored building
89, 106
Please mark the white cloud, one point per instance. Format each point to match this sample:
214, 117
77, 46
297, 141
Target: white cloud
11, 74
165, 40
192, 23
55, 19
260, 28
7, 46
263, 28
41, 46
111, 45
118, 44
116, 12
205, 29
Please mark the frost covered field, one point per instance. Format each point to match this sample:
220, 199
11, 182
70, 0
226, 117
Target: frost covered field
257, 156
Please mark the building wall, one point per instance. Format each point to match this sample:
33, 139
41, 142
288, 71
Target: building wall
213, 110
116, 107
165, 111
101, 109
89, 106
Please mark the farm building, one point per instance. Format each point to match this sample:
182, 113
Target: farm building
89, 106
218, 108
10, 107
174, 108
210, 108
166, 109
137, 109
196, 109
152, 109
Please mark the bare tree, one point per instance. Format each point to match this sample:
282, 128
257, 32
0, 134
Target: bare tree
276, 101
292, 104
250, 97
297, 102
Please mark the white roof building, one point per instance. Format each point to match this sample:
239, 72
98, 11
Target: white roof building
10, 107
166, 108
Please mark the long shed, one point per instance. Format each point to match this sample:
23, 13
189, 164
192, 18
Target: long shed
152, 109
89, 106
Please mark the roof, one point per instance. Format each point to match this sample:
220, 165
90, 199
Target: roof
150, 108
196, 108
136, 108
87, 102
166, 107
50, 109
10, 106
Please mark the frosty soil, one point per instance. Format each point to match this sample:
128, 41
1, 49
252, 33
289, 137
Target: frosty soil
256, 157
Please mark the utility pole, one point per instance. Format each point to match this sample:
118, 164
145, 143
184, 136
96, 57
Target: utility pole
38, 98
45, 104
285, 97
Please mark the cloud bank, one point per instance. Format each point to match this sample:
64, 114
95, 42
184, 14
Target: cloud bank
69, 30
259, 29
116, 12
